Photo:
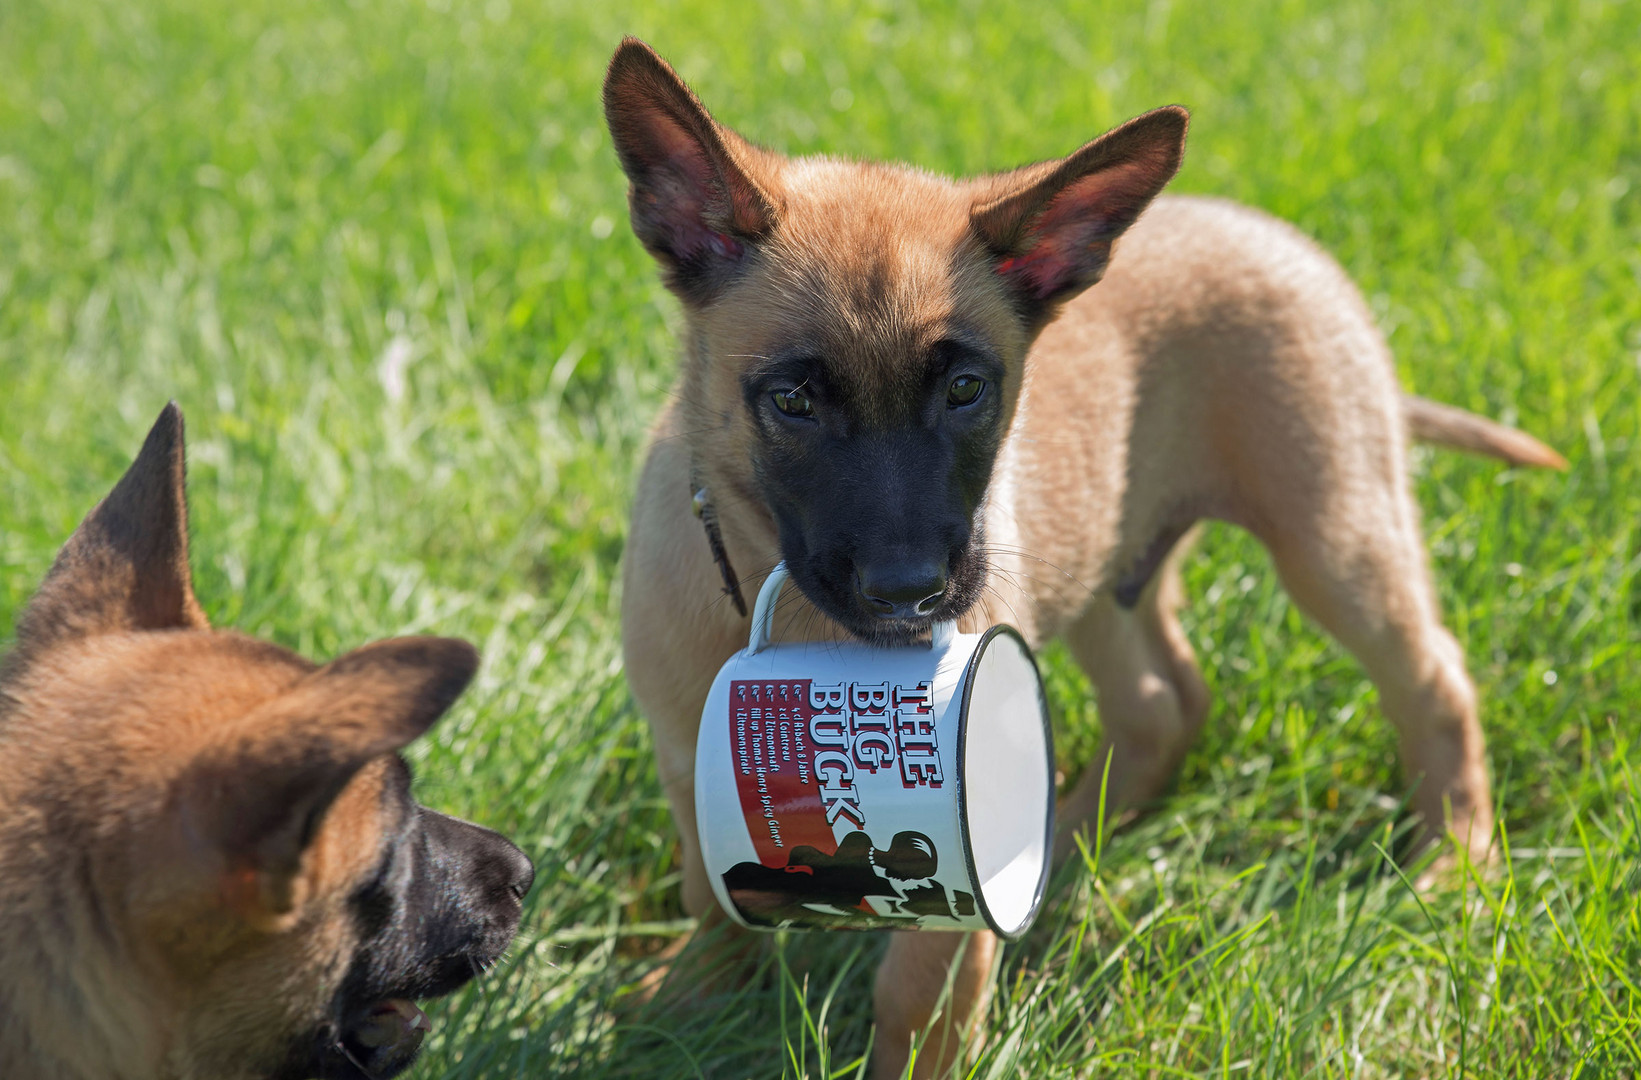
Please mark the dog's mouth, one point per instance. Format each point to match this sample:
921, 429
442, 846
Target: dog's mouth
886, 633
385, 1039
381, 1039
830, 588
893, 634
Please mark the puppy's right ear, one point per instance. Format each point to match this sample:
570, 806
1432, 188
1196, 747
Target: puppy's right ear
255, 807
695, 202
126, 566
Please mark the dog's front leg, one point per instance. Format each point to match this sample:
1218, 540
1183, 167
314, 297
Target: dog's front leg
1151, 696
720, 953
677, 630
932, 985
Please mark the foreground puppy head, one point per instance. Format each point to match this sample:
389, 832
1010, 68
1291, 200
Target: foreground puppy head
210, 864
858, 332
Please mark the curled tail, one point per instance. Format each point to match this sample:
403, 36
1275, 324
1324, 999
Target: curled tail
1443, 425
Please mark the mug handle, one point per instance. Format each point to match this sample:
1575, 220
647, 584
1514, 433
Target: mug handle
763, 610
763, 616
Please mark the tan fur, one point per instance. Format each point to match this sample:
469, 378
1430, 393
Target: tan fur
1443, 425
135, 942
1224, 368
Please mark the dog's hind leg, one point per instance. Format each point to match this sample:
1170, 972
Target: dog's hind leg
1357, 566
1150, 693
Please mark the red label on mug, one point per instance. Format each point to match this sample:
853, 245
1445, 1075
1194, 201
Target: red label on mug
802, 754
769, 738
800, 748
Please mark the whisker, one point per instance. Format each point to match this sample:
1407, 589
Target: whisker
355, 1062
1021, 553
1015, 577
750, 583
1013, 614
675, 436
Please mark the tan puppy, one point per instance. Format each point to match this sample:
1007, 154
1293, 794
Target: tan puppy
897, 383
210, 863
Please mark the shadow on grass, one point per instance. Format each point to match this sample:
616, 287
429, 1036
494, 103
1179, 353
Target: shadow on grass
723, 1003
710, 1005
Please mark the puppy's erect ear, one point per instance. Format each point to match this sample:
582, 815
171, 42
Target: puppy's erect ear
694, 199
260, 802
1051, 226
126, 566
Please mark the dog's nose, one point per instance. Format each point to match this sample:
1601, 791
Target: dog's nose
902, 590
523, 873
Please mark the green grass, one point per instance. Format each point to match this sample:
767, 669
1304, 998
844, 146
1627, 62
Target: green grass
246, 207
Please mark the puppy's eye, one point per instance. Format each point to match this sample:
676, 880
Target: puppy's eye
964, 390
793, 403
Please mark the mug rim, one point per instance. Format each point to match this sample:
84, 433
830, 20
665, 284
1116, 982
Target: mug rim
971, 669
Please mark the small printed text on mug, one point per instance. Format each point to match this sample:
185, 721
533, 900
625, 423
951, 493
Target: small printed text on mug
851, 728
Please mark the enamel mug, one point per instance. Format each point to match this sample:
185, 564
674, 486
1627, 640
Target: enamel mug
845, 786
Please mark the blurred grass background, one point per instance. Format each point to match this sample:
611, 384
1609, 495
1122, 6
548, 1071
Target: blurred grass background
379, 253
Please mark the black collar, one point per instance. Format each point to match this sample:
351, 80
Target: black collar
702, 505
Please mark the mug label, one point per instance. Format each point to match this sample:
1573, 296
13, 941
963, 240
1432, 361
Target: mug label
803, 754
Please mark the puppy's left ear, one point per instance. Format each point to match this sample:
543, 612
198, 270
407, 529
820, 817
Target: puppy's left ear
126, 566
1050, 227
259, 802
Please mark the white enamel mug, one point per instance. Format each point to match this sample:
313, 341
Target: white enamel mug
844, 786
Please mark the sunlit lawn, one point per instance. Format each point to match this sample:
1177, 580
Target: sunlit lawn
378, 251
